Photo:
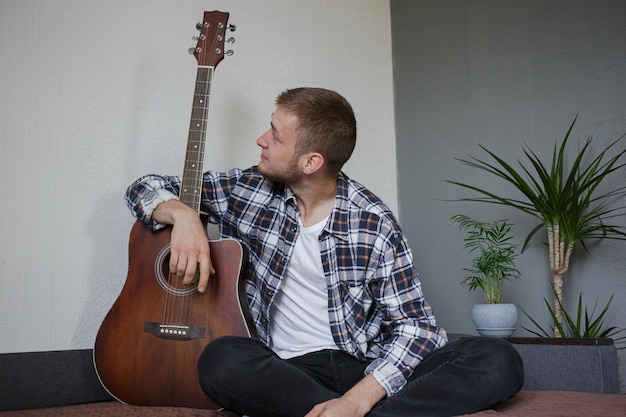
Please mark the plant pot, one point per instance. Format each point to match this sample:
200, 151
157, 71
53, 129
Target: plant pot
495, 320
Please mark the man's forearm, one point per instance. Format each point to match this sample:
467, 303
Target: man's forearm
367, 392
167, 211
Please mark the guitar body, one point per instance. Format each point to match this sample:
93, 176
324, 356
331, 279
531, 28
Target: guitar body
147, 347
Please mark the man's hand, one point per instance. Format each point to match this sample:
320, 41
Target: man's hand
189, 242
338, 407
357, 402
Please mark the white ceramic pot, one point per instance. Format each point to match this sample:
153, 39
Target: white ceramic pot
495, 320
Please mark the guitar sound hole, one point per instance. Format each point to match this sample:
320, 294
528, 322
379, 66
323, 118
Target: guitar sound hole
170, 282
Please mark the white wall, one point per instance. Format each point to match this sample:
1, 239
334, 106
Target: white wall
96, 93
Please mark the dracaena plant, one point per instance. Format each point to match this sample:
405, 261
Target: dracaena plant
567, 199
584, 325
495, 258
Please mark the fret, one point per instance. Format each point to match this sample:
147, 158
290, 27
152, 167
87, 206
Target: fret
191, 185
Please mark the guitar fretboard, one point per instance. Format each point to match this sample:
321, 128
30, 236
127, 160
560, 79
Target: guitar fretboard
191, 186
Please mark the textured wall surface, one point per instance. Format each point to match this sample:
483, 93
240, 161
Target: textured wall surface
95, 93
503, 74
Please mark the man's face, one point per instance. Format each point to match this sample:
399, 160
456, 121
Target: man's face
279, 161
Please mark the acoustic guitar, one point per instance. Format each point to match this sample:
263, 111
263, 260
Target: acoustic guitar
148, 345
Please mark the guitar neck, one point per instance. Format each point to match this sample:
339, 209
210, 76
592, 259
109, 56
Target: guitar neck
191, 185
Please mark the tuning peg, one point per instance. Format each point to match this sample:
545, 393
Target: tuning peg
191, 51
229, 52
232, 27
199, 25
230, 40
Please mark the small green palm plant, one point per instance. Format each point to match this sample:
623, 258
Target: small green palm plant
568, 201
591, 326
495, 255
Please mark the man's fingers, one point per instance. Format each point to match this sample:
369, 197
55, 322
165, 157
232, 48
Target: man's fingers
182, 267
192, 269
174, 262
189, 271
206, 269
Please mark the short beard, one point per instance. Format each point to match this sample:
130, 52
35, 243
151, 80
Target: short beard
289, 175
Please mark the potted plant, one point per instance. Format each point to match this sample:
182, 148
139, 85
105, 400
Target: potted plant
493, 264
583, 325
567, 200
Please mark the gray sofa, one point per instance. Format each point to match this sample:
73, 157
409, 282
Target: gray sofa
553, 373
569, 365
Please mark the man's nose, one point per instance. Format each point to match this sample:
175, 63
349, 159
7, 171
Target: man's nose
262, 140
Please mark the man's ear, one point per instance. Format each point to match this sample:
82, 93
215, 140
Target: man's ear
314, 162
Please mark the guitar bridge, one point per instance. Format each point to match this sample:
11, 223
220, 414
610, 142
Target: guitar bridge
174, 331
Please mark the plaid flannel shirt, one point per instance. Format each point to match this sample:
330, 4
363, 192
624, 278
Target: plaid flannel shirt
376, 308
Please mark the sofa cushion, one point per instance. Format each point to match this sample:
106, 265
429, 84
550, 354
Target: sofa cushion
524, 404
587, 365
116, 409
47, 379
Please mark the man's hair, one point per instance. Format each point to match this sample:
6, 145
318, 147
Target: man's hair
326, 124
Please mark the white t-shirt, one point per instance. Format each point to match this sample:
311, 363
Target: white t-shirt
299, 315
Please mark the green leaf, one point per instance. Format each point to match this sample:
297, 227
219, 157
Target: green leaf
592, 327
495, 255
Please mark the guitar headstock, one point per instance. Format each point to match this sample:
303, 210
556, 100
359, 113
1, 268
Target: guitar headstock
209, 50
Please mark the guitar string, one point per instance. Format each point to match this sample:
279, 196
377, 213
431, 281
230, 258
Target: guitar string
177, 307
203, 87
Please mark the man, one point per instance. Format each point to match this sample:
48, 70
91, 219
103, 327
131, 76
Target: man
344, 329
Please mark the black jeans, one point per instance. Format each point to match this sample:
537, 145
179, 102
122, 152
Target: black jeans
465, 376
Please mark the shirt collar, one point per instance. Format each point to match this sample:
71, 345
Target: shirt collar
338, 219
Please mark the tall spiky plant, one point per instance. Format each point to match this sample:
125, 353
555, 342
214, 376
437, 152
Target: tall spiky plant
567, 200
